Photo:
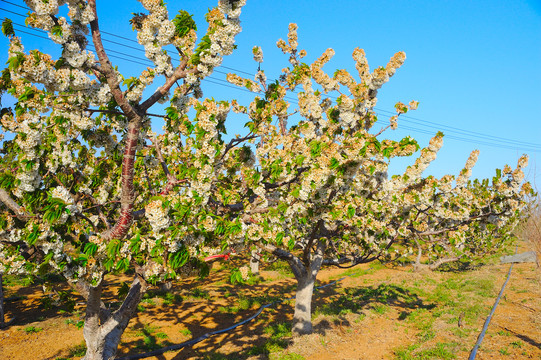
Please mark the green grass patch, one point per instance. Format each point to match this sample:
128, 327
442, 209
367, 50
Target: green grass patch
32, 329
185, 332
198, 293
78, 323
440, 351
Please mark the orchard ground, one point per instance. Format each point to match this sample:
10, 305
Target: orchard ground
376, 312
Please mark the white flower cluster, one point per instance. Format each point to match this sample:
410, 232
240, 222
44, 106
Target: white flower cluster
80, 11
466, 172
39, 68
63, 194
428, 155
222, 38
44, 8
258, 54
146, 78
157, 216
77, 57
244, 272
28, 139
155, 32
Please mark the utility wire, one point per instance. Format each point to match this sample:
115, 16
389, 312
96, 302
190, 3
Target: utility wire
500, 142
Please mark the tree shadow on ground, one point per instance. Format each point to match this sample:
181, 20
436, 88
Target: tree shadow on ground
271, 331
219, 306
28, 303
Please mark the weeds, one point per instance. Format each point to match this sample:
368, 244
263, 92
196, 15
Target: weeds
198, 293
77, 350
150, 338
78, 323
32, 329
517, 344
185, 332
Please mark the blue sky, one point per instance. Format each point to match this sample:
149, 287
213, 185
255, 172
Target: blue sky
474, 66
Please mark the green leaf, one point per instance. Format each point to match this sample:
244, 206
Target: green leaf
203, 46
59, 63
108, 264
15, 61
33, 236
183, 23
279, 238
57, 30
7, 27
178, 259
90, 249
113, 248
291, 243
350, 212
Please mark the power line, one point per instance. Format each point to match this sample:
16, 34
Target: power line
474, 137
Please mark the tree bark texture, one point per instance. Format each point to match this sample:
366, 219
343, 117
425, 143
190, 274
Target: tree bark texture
102, 336
254, 262
306, 274
1, 304
302, 319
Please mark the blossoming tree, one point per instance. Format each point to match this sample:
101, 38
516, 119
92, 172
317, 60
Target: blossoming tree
469, 220
319, 193
86, 186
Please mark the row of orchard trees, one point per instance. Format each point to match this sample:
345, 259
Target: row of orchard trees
87, 188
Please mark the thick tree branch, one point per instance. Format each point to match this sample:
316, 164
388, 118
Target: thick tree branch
107, 68
122, 316
83, 288
294, 262
93, 309
20, 213
121, 227
179, 73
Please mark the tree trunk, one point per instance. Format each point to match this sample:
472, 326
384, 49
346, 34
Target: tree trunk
254, 262
306, 274
1, 304
302, 319
102, 336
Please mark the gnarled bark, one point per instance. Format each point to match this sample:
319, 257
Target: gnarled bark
1, 304
305, 273
102, 335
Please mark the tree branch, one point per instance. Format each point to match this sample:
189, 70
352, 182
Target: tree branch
179, 73
294, 262
121, 227
19, 211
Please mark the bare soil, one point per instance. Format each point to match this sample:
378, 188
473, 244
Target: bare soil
375, 329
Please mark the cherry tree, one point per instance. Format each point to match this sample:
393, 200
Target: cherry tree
454, 218
318, 192
86, 186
